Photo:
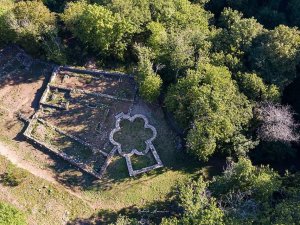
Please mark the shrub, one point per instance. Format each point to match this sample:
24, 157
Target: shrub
149, 82
9, 215
150, 87
13, 177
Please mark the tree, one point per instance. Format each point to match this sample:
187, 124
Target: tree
198, 206
179, 36
136, 12
150, 87
259, 182
273, 51
6, 35
277, 123
180, 14
158, 37
255, 89
208, 104
9, 215
149, 82
239, 208
31, 22
234, 39
238, 32
98, 28
293, 12
287, 212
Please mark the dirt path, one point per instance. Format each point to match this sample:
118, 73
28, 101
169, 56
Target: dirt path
21, 163
14, 158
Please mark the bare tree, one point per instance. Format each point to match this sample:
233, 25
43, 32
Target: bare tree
278, 123
239, 204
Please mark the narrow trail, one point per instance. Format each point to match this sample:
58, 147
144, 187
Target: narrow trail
21, 163
18, 161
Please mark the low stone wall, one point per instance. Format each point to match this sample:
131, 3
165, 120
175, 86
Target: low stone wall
97, 72
73, 161
107, 161
133, 172
122, 116
48, 89
149, 145
54, 74
66, 157
73, 137
90, 93
55, 106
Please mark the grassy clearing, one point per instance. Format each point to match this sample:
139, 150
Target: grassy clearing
139, 162
118, 191
41, 201
133, 135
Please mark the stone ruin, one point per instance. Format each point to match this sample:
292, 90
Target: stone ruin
117, 147
149, 144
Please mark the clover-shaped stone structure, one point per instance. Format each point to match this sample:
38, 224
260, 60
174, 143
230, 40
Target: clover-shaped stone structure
148, 142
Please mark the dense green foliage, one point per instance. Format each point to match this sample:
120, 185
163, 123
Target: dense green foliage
209, 99
5, 7
234, 40
273, 51
199, 208
9, 215
243, 176
30, 22
31, 25
149, 82
255, 89
243, 194
98, 28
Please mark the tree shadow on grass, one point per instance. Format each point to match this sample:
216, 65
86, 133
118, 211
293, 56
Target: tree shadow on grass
153, 213
117, 172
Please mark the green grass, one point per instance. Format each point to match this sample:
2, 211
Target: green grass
41, 201
9, 215
139, 162
118, 191
133, 135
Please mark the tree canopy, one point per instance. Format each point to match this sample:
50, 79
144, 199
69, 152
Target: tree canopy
98, 27
273, 51
209, 102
